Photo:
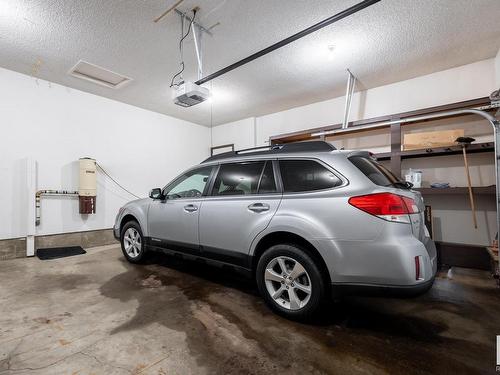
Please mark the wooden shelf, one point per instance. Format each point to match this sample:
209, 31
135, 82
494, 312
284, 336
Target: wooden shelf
440, 151
478, 190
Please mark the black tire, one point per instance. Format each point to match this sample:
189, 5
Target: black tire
142, 254
317, 281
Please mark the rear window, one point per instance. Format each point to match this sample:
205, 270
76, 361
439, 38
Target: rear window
306, 175
376, 172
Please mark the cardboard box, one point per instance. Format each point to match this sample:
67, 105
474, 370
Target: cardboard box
423, 140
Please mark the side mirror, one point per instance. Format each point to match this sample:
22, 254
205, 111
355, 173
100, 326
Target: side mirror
156, 194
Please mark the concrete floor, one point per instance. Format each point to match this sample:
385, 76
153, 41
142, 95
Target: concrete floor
97, 314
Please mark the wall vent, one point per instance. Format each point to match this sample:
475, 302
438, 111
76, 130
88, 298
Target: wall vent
93, 73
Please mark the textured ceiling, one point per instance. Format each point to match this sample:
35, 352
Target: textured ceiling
390, 41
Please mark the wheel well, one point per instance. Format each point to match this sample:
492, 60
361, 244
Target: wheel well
276, 238
126, 219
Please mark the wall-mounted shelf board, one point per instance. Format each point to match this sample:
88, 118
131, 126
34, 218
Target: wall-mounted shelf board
440, 151
478, 190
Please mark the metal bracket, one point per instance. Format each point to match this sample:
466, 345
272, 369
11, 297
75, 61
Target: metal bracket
197, 34
351, 83
202, 28
198, 31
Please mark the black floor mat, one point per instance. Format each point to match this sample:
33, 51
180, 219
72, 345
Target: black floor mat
59, 252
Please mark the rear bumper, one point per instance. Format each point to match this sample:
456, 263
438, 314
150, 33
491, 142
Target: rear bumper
386, 263
376, 290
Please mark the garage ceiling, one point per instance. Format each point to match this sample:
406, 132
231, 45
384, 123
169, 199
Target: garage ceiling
387, 42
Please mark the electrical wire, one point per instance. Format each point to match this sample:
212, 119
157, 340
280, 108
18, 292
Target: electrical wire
112, 179
180, 51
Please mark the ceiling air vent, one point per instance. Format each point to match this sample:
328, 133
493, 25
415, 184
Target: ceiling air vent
96, 74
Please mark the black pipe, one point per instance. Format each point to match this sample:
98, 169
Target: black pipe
347, 12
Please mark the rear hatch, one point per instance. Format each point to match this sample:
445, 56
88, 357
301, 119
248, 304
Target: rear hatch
383, 177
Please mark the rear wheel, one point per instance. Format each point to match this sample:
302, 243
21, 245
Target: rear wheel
290, 281
132, 242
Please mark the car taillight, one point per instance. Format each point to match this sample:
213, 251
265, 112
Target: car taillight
386, 206
410, 205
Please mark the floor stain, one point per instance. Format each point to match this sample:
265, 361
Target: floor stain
230, 330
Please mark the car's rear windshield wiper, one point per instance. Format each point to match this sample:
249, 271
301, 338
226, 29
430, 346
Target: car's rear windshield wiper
401, 184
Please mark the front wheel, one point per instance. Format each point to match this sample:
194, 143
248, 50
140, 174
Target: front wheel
132, 242
290, 281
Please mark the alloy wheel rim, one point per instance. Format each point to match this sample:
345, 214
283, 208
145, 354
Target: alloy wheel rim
132, 242
288, 283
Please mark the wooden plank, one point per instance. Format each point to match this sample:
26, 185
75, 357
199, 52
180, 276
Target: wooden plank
433, 139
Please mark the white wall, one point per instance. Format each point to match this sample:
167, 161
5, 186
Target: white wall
453, 85
56, 125
240, 133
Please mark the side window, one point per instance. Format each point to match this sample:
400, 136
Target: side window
267, 183
238, 178
306, 175
189, 185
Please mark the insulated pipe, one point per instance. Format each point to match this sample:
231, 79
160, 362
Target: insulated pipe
38, 197
326, 22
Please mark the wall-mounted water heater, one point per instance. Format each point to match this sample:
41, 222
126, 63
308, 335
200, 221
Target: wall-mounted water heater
87, 190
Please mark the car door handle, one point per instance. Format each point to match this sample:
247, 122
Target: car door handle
190, 208
259, 207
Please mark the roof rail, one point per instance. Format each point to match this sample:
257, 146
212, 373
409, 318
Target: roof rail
309, 146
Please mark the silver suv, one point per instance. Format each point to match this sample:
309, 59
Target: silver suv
304, 219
